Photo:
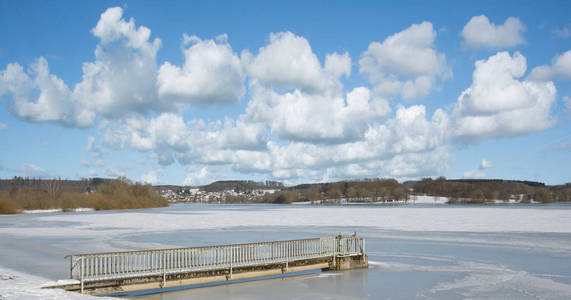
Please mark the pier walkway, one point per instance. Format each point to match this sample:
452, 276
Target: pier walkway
121, 272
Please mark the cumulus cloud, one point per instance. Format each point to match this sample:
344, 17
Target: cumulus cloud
150, 177
405, 62
486, 164
316, 118
54, 101
199, 176
211, 73
408, 137
168, 136
289, 62
122, 79
382, 150
338, 64
3, 126
560, 68
481, 33
497, 104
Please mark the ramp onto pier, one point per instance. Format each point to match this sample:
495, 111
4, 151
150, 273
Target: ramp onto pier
120, 272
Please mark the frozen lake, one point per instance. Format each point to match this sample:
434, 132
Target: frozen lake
415, 251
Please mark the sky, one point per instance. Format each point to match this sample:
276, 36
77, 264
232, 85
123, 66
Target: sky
189, 92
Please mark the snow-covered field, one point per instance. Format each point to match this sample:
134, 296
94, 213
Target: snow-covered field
543, 228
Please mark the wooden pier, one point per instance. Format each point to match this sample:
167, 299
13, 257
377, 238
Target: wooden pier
122, 272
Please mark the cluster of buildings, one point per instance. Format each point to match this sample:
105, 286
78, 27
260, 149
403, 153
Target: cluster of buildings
203, 196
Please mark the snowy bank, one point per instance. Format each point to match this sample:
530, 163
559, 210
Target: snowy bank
19, 286
43, 211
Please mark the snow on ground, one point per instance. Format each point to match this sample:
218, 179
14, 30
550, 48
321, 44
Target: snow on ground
19, 286
43, 211
444, 219
423, 199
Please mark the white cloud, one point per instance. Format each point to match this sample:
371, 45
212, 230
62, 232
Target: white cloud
560, 68
168, 135
480, 33
3, 126
289, 62
405, 62
53, 103
475, 174
150, 177
92, 173
406, 138
338, 64
315, 118
497, 104
33, 171
211, 73
381, 150
122, 79
486, 164
89, 145
196, 177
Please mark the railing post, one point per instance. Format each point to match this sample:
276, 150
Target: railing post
81, 274
164, 269
231, 259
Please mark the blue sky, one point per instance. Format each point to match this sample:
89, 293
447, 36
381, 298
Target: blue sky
192, 92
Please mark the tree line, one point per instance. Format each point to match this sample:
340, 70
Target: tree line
50, 194
358, 190
482, 191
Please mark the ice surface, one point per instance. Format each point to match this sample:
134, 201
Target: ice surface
419, 251
445, 219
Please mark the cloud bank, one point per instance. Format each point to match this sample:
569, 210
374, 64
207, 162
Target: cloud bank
300, 121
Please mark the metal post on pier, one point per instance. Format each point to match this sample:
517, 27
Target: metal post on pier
164, 269
81, 274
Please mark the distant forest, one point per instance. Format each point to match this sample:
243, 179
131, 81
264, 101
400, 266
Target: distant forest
484, 190
100, 194
362, 190
390, 190
19, 194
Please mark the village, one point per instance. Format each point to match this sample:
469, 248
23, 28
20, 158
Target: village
204, 196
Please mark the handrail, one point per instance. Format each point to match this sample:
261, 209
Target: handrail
163, 262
